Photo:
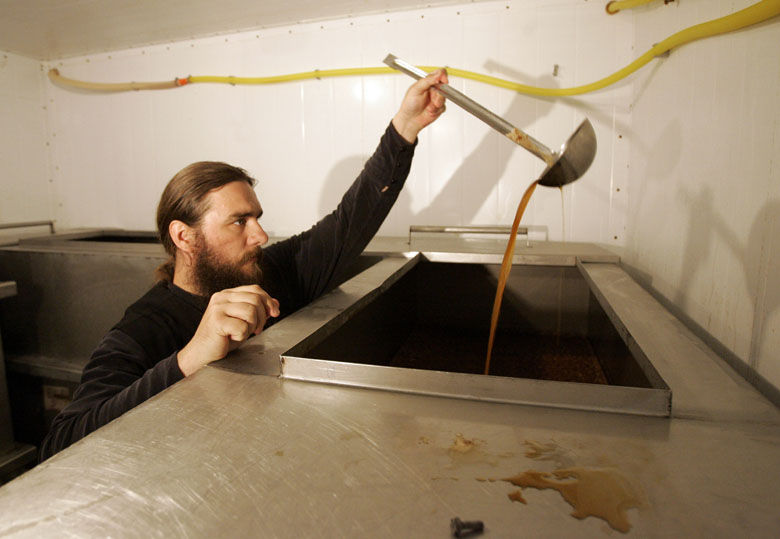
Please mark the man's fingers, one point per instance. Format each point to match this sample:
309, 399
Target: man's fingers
251, 294
252, 315
271, 306
235, 329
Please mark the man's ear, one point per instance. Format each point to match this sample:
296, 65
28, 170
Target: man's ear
184, 237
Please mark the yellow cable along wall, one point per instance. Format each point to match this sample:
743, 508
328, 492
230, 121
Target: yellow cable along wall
758, 12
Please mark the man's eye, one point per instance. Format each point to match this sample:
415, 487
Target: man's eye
240, 222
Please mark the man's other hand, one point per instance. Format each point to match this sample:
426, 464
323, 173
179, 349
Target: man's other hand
231, 317
422, 104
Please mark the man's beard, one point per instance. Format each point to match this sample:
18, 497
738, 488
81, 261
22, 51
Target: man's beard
212, 274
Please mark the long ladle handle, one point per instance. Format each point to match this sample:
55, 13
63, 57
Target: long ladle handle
493, 120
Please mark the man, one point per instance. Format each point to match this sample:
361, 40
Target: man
219, 286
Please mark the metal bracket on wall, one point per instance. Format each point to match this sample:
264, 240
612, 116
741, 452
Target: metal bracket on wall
28, 224
466, 229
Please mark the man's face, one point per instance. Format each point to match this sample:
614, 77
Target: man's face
228, 250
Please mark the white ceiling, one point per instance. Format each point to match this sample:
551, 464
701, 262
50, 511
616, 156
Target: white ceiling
55, 29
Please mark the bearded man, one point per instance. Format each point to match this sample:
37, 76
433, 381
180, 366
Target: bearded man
219, 287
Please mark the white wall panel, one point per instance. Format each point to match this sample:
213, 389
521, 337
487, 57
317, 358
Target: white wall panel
24, 166
304, 141
705, 192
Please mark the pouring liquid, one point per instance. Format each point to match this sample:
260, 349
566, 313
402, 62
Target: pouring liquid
506, 265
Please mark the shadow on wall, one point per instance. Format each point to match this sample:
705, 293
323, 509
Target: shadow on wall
758, 252
759, 256
661, 158
521, 112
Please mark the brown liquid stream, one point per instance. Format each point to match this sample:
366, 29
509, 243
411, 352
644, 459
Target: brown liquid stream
506, 265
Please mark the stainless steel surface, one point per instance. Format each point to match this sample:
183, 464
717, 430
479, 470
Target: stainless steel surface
7, 289
357, 348
28, 224
13, 455
704, 386
225, 451
70, 295
463, 230
565, 166
573, 159
478, 387
490, 250
259, 456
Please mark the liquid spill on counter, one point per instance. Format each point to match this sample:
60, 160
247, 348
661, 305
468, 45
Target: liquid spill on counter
602, 492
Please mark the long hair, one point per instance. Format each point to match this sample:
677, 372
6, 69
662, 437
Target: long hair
184, 199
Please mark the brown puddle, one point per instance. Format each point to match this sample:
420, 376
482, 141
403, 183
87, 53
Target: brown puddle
600, 492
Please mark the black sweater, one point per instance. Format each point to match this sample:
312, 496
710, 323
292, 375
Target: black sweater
138, 357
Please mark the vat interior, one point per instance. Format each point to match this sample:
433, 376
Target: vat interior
437, 317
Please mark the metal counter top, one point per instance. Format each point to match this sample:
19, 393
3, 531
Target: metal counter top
231, 452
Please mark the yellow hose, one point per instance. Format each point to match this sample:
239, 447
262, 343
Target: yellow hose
54, 76
758, 12
618, 5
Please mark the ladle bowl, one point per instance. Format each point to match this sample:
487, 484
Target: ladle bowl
574, 158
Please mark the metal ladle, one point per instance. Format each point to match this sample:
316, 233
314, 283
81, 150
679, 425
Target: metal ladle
564, 166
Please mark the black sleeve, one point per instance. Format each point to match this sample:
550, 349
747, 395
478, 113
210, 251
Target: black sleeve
301, 268
118, 377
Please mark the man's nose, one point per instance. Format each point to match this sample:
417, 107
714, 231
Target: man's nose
257, 235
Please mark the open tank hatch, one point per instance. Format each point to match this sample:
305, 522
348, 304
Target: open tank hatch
427, 333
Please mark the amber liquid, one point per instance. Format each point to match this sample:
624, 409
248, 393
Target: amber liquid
506, 265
